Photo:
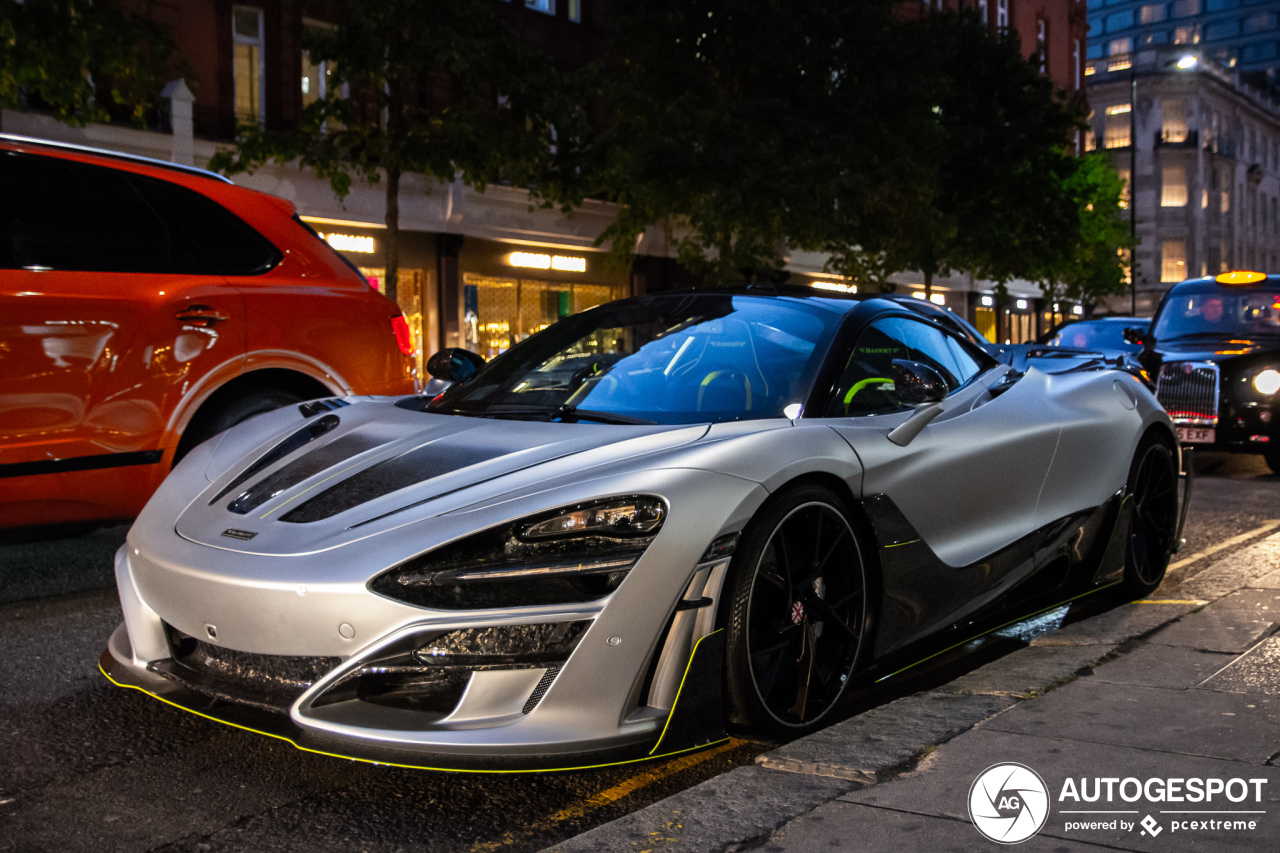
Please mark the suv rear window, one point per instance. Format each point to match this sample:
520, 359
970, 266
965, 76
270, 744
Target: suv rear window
63, 215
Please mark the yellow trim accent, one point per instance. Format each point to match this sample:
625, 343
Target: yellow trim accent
858, 386
900, 544
996, 628
712, 375
298, 746
680, 689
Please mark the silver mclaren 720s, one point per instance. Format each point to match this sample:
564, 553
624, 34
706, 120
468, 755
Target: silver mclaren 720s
645, 525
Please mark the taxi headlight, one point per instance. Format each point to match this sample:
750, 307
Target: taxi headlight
1267, 382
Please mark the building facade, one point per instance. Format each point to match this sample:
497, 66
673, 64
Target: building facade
1239, 34
483, 270
1204, 148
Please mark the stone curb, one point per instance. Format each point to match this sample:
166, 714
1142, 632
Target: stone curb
882, 742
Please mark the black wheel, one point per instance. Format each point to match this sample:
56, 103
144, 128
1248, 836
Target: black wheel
798, 611
1153, 497
1272, 455
225, 416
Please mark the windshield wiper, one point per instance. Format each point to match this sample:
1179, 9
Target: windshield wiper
569, 414
573, 413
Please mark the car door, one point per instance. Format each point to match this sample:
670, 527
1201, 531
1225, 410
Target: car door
954, 507
109, 318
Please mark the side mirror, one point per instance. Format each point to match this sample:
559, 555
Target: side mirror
916, 384
1135, 335
453, 364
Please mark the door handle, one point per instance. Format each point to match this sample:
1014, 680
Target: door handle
201, 315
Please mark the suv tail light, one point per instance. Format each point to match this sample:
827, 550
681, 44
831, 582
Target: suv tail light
404, 339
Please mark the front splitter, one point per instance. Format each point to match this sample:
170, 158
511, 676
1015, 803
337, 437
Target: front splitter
280, 727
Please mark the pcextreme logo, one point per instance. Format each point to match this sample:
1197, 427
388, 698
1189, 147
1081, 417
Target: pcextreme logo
1008, 803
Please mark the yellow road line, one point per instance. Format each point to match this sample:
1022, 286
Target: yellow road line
1226, 543
625, 788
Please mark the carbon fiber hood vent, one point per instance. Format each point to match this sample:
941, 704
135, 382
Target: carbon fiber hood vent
362, 475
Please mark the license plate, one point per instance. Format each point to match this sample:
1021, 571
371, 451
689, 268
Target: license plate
1195, 435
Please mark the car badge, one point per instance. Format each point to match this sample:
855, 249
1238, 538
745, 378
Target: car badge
797, 613
1186, 367
245, 535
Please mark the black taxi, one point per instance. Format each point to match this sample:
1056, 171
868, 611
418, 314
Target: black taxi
1213, 349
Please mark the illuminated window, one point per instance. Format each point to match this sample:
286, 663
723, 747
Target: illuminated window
248, 63
1152, 13
1173, 189
1042, 44
1175, 120
1116, 133
1224, 203
1002, 14
575, 10
982, 12
1173, 260
1119, 47
547, 6
1124, 193
319, 79
1189, 34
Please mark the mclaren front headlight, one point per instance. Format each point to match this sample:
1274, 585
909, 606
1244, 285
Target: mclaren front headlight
571, 554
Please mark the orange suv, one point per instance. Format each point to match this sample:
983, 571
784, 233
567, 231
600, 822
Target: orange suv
145, 307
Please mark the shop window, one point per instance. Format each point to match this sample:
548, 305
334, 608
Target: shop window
1173, 191
984, 320
501, 312
1173, 260
248, 63
1174, 128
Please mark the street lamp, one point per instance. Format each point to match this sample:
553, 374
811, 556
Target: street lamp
1186, 62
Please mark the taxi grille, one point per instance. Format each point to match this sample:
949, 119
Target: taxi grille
1188, 390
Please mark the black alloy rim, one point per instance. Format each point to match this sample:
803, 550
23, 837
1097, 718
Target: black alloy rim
1155, 513
806, 614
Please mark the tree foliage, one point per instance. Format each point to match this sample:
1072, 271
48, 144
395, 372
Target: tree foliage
748, 130
80, 60
441, 89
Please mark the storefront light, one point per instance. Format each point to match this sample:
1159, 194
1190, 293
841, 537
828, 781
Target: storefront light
537, 261
1022, 305
350, 243
987, 301
938, 299
1077, 310
836, 286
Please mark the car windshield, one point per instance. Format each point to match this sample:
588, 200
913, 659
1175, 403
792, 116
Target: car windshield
1096, 335
1210, 311
661, 359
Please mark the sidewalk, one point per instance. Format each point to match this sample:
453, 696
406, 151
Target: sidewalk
1179, 692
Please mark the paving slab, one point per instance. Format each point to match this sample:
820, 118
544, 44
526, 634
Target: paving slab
1029, 671
1233, 726
1256, 672
1244, 567
1163, 666
871, 829
719, 814
863, 747
941, 789
1234, 623
1124, 623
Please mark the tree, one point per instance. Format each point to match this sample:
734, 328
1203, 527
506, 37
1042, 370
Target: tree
443, 89
80, 60
1093, 267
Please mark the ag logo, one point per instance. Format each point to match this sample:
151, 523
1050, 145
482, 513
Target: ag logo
1008, 803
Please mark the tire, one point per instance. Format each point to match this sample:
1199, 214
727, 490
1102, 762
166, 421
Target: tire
239, 409
1153, 520
1272, 455
798, 612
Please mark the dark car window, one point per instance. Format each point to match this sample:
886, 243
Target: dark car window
61, 215
1206, 309
667, 360
230, 245
866, 386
